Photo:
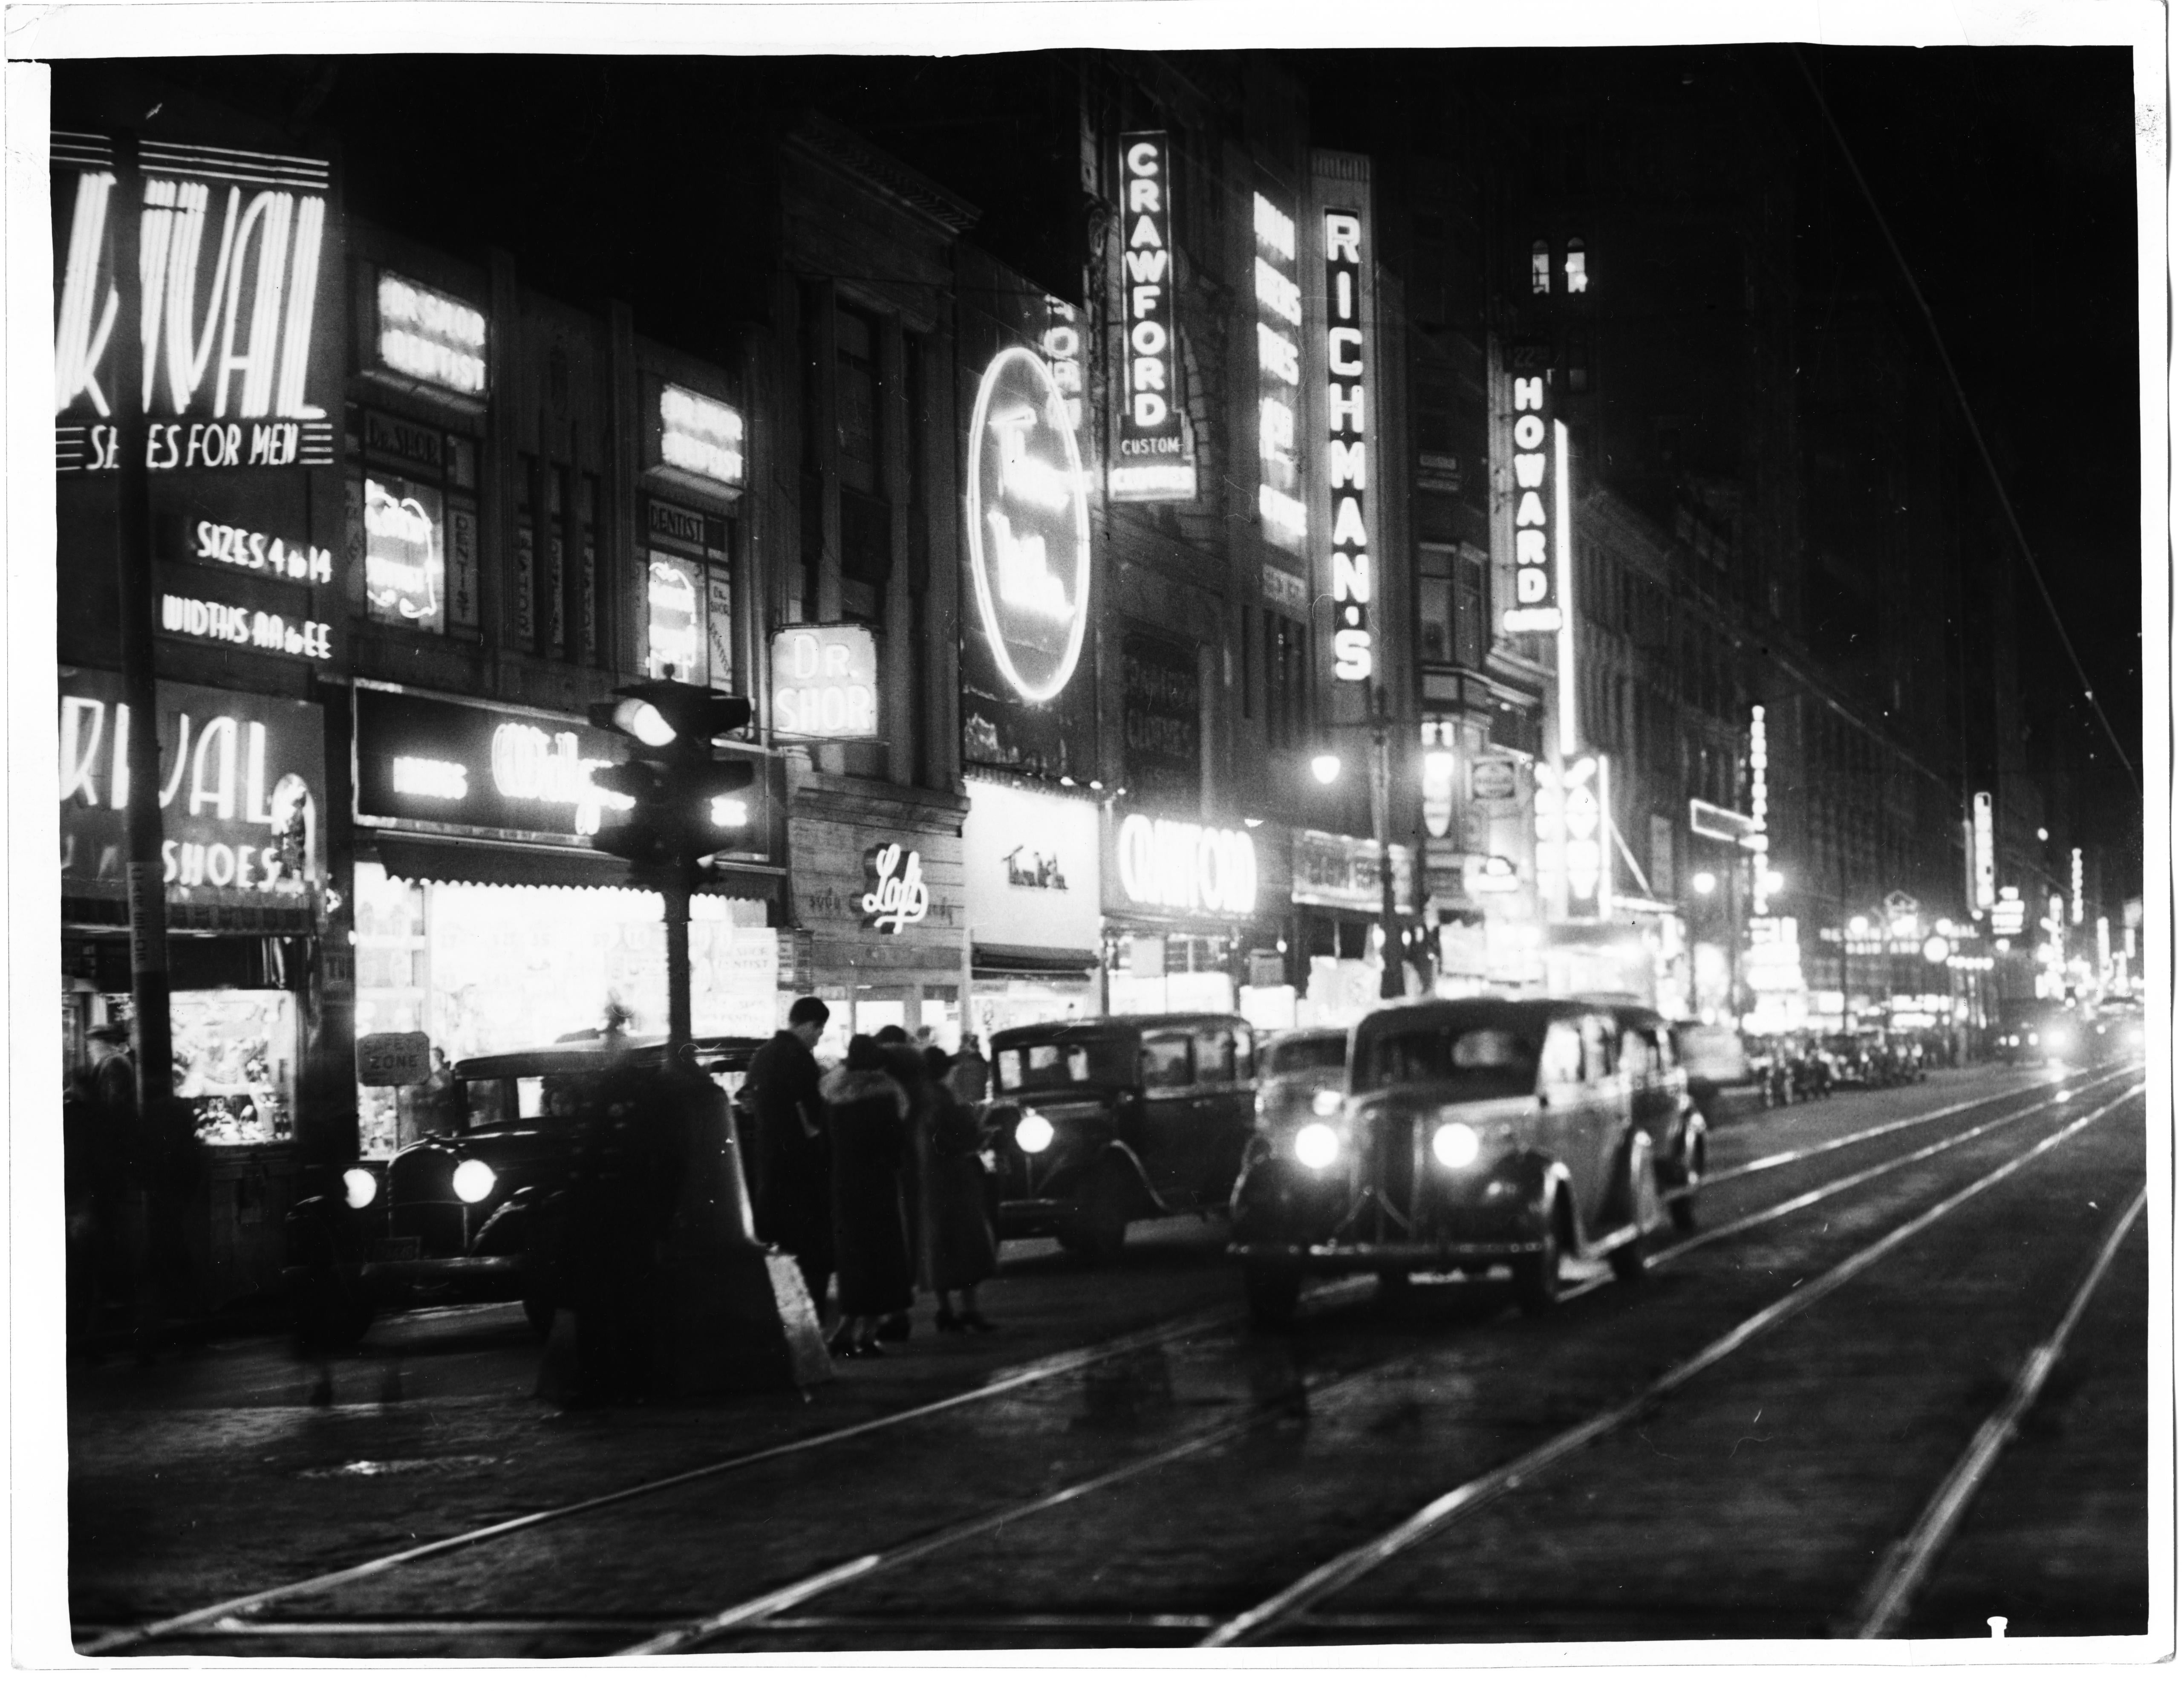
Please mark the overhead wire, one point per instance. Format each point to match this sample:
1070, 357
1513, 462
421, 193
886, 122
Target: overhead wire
1963, 402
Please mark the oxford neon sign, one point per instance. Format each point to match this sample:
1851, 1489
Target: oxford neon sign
1030, 534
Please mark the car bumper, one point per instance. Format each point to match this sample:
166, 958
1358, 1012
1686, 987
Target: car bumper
392, 1281
1456, 1253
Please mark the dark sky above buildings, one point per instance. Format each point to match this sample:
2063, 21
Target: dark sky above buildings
2005, 175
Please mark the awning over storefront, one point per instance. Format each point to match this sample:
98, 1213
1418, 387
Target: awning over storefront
413, 857
1032, 960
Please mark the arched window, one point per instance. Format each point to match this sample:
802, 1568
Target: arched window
1573, 265
1542, 277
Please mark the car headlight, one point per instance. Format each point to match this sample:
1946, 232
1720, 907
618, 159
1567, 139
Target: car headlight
474, 1180
2055, 1040
2032, 1039
359, 1187
1317, 1145
1455, 1144
1327, 1101
1034, 1134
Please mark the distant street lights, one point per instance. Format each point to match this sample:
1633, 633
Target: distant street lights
1327, 768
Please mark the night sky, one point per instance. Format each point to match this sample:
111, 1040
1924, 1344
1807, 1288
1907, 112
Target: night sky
2005, 175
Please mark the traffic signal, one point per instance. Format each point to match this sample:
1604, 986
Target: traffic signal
683, 800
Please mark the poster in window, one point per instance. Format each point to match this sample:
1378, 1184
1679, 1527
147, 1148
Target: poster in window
672, 638
404, 559
720, 629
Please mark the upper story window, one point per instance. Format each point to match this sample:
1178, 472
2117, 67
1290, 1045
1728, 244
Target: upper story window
856, 403
1542, 273
1573, 265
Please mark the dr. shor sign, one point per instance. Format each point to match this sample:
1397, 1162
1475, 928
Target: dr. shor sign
1031, 537
825, 684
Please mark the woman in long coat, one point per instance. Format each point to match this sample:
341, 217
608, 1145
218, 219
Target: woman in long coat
867, 1127
955, 1241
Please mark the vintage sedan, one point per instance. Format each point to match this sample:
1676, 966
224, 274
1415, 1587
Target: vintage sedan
1099, 1121
453, 1217
1301, 1075
1476, 1134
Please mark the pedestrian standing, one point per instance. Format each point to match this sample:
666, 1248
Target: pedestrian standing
956, 1237
792, 1199
905, 1061
868, 1121
966, 1075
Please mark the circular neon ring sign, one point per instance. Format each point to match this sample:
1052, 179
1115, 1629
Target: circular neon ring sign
1031, 537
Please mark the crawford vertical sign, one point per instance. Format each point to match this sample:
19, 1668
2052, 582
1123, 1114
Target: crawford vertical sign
1152, 454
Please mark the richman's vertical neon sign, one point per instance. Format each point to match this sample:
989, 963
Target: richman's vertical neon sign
1152, 462
1349, 564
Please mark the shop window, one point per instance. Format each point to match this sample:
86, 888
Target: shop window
235, 1063
414, 500
1542, 269
689, 597
1574, 272
1165, 1060
673, 599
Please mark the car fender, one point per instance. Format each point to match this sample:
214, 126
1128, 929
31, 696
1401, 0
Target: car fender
1118, 1148
1541, 1180
508, 1230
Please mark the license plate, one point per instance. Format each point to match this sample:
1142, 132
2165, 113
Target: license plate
396, 1246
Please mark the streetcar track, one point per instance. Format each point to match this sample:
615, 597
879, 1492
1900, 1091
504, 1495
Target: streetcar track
1285, 1605
1888, 1596
758, 1611
199, 1622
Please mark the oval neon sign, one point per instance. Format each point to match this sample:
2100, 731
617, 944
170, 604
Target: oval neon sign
1031, 538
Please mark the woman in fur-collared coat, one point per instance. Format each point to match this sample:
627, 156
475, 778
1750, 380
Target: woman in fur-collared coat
867, 1128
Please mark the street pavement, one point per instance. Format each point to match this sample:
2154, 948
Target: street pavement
1126, 1462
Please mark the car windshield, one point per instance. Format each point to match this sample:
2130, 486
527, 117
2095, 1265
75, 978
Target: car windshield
1293, 1055
1065, 1064
1486, 1058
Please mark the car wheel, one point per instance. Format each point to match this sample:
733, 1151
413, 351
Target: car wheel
1540, 1275
1100, 1222
1684, 1208
1271, 1291
330, 1317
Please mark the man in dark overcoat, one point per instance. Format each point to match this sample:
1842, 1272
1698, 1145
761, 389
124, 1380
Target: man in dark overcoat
792, 1202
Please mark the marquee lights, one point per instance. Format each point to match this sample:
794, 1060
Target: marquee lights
1152, 460
431, 336
700, 436
1173, 865
1537, 608
1030, 534
1282, 512
1350, 566
1756, 841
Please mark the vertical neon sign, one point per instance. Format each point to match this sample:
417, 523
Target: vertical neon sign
1152, 462
1350, 566
1280, 304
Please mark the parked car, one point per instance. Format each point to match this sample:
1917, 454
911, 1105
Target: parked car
451, 1218
1472, 1134
1713, 1058
1097, 1122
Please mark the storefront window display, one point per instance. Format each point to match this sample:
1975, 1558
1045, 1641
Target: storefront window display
235, 1063
470, 967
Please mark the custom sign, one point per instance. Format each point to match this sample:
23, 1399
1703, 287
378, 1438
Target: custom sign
1349, 557
438, 341
241, 797
1279, 299
238, 373
1541, 470
1982, 885
1031, 537
401, 1058
696, 440
1153, 462
1031, 867
1571, 825
825, 684
1756, 841
1158, 863
897, 895
1160, 717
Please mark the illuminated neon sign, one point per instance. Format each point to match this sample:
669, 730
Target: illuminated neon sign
825, 683
405, 567
2077, 887
1982, 894
258, 552
246, 629
1541, 469
1570, 828
1062, 343
1030, 535
434, 338
230, 246
1756, 841
1349, 564
1153, 458
1172, 865
1281, 327
897, 896
670, 601
700, 436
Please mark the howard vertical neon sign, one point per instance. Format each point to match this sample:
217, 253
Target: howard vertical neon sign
1538, 466
1151, 460
1350, 563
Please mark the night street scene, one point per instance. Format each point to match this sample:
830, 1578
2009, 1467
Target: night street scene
1100, 850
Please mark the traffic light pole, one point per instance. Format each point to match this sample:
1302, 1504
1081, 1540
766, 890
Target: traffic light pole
675, 909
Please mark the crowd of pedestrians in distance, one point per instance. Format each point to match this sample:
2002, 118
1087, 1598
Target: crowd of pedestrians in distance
869, 1175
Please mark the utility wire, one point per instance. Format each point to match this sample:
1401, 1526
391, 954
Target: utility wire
1978, 439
